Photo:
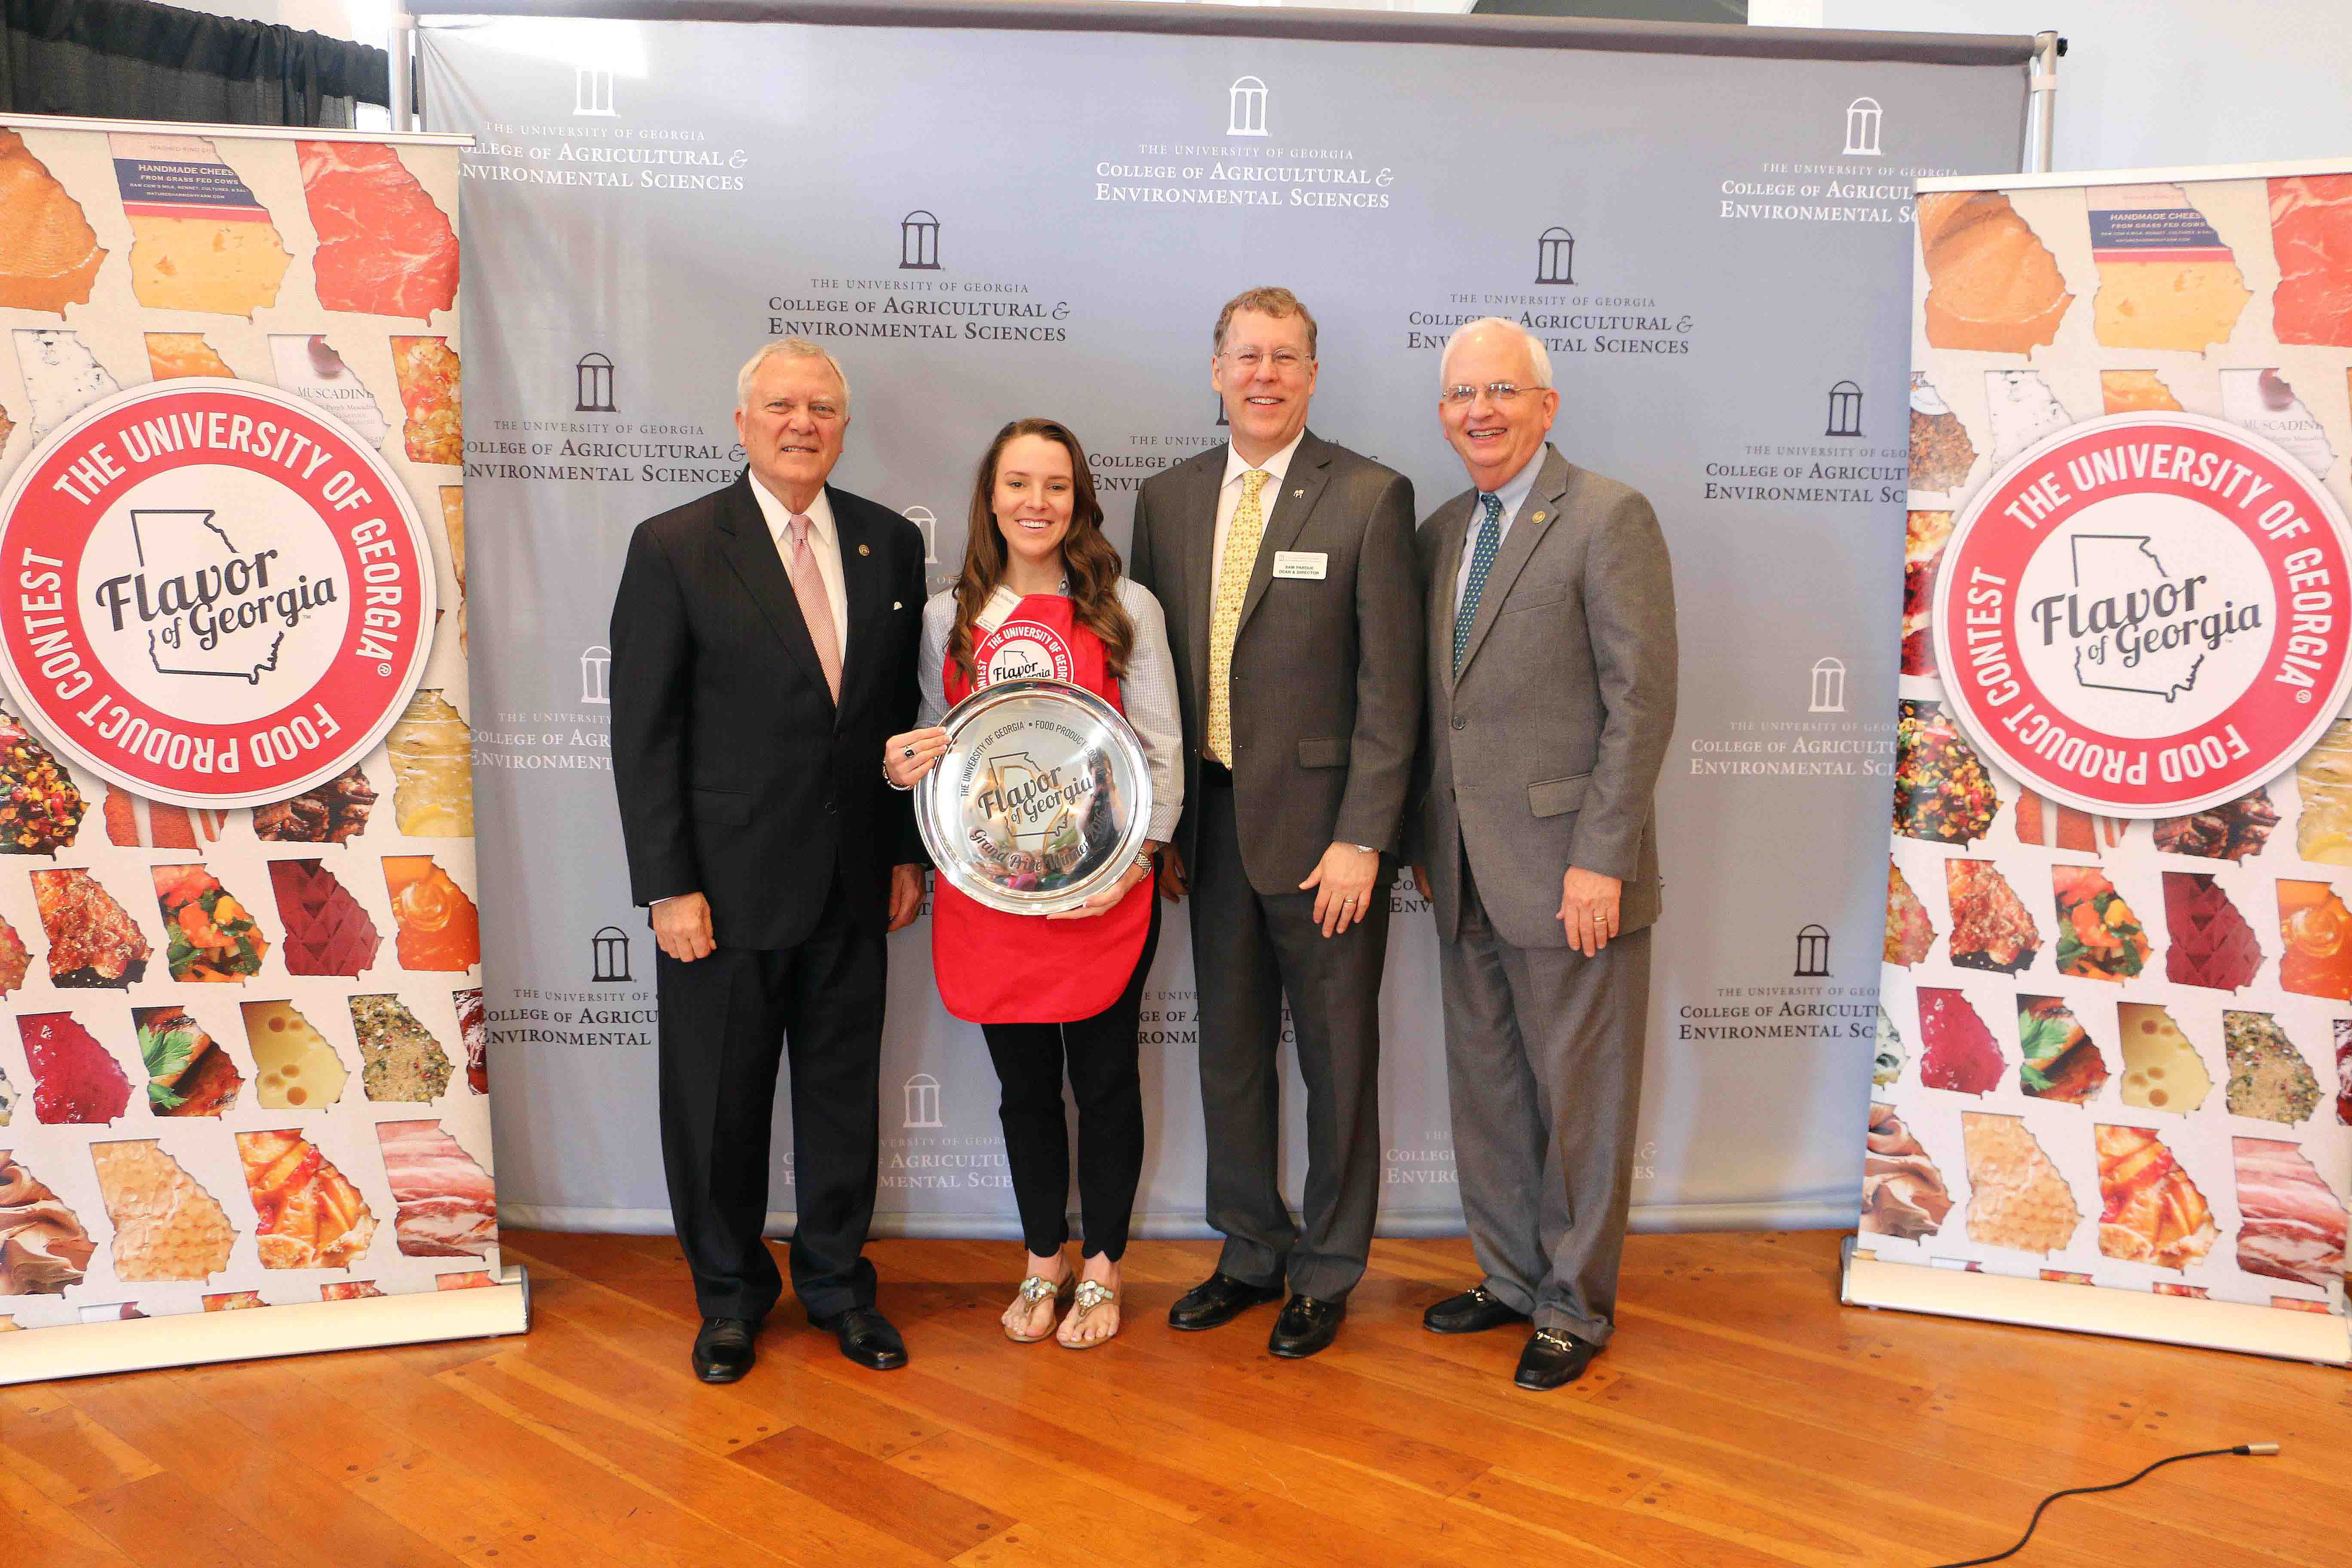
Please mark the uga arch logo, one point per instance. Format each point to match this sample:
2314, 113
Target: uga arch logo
2144, 615
218, 596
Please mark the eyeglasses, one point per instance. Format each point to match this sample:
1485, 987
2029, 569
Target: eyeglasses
1285, 361
1495, 391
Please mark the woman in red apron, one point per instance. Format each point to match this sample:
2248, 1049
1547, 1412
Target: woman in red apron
1041, 588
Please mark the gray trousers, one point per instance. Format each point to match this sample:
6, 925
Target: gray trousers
1248, 950
1543, 1065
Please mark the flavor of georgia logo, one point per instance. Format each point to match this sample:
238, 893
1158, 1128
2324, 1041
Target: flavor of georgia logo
1022, 650
2144, 615
222, 596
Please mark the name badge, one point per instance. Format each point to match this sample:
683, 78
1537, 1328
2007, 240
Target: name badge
1311, 564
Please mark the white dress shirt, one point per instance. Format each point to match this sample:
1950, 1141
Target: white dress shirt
1513, 495
1146, 693
825, 544
1229, 497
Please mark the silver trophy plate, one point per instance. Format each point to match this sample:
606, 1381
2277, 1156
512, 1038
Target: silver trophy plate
1042, 800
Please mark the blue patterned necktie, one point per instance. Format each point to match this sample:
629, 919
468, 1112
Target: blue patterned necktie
1482, 560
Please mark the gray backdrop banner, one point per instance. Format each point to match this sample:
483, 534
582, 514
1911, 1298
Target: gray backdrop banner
985, 224
1229, 21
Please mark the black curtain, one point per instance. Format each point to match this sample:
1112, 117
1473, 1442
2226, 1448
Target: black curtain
131, 59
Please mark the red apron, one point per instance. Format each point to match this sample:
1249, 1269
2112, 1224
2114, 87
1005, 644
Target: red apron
995, 967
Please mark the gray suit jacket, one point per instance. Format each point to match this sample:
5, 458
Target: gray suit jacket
1544, 752
1326, 673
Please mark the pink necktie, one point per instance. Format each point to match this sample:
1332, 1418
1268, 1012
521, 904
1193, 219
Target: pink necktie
816, 606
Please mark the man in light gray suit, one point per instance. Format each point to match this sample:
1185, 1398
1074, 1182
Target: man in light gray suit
1285, 567
1552, 695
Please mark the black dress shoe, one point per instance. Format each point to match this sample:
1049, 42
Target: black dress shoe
866, 1338
1306, 1326
1553, 1359
1218, 1300
722, 1349
1473, 1311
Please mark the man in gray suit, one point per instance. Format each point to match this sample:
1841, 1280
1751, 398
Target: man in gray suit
1286, 566
1552, 695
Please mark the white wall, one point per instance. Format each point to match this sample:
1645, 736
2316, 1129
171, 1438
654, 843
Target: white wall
2155, 83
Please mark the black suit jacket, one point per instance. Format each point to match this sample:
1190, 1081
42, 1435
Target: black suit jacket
1326, 673
737, 775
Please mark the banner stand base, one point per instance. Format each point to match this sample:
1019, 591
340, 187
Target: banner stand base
2322, 1338
191, 1339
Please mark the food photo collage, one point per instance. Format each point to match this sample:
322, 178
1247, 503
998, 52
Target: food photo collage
243, 1056
2116, 1050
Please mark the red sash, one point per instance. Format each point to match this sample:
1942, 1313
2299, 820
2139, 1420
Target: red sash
995, 967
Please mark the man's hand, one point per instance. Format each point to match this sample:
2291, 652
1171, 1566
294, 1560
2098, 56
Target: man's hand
1588, 908
682, 927
1173, 884
1420, 881
1343, 886
906, 896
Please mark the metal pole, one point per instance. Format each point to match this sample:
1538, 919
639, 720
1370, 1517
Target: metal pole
2041, 101
401, 46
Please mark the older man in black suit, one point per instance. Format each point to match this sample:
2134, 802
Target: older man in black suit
763, 648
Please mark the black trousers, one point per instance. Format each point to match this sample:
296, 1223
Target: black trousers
1249, 951
727, 1022
1104, 1080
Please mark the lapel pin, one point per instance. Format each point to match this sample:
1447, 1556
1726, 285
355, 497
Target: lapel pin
895, 604
1539, 517
1299, 495
866, 550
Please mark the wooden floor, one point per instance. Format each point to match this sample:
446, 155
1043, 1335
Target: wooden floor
1742, 1416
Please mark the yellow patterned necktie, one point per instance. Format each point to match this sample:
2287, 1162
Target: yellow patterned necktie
1225, 616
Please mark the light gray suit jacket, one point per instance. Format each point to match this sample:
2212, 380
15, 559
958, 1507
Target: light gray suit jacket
1544, 752
1326, 672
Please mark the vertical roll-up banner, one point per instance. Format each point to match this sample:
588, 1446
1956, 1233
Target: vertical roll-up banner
2114, 1086
1708, 227
244, 1107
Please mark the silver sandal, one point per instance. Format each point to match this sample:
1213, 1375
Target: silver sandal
1033, 1289
1092, 1293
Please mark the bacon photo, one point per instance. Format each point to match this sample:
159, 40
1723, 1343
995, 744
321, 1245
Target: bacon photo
447, 1205
2291, 1226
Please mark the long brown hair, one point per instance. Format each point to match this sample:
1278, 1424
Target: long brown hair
1089, 558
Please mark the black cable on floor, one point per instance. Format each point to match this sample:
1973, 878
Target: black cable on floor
2251, 1449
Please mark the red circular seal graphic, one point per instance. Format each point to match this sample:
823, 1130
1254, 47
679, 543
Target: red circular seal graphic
1021, 649
218, 594
2144, 615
